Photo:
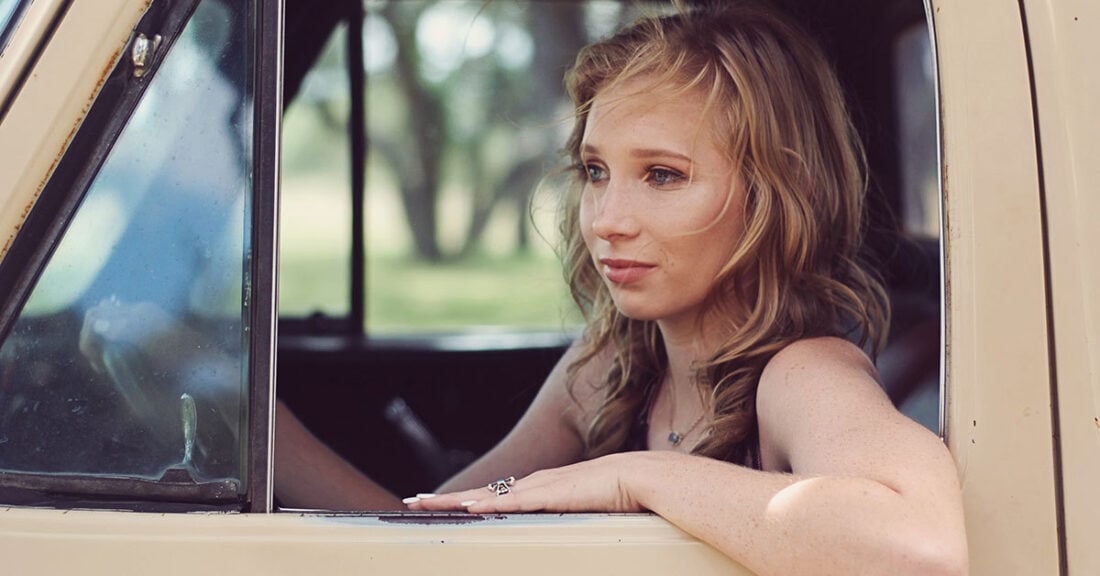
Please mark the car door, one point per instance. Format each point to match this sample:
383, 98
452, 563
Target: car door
1002, 375
1066, 88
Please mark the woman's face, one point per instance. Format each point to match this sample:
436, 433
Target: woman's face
662, 207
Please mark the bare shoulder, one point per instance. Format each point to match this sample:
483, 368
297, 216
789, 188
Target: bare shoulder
821, 409
817, 369
819, 353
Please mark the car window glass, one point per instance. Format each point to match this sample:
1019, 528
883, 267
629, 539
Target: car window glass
916, 100
129, 357
466, 115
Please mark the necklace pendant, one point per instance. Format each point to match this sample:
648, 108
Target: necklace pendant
675, 438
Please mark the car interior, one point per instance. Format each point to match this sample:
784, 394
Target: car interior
411, 410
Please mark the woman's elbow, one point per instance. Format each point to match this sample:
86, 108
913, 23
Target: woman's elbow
937, 556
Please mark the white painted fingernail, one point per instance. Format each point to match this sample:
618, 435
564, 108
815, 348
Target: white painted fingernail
410, 500
425, 496
467, 503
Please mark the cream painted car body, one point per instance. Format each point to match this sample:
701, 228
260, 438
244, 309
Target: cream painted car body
1020, 133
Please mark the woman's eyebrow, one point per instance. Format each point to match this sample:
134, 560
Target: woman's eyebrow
641, 152
658, 153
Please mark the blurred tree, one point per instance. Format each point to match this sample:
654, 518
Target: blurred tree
417, 161
557, 31
472, 113
469, 94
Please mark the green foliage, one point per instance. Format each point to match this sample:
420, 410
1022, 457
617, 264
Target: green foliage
518, 291
407, 295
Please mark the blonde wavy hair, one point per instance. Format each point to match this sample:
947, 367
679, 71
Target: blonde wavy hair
780, 113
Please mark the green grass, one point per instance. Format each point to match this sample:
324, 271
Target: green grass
407, 296
517, 291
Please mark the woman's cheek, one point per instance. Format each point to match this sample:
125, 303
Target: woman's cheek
585, 217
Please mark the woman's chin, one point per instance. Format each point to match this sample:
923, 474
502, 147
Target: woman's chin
636, 311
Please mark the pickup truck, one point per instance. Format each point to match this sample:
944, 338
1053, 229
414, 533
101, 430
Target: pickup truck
171, 267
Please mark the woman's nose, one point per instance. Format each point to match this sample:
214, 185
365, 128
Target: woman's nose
614, 215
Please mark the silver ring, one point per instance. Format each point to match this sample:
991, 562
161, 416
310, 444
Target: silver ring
502, 486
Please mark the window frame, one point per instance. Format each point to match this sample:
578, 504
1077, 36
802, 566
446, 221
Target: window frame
268, 85
119, 92
55, 207
331, 339
999, 370
21, 45
12, 23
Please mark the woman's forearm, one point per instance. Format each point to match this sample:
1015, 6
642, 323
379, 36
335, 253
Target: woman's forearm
785, 524
309, 474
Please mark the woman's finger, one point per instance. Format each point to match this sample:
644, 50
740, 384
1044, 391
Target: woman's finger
459, 500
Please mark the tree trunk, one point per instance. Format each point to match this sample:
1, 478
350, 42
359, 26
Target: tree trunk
420, 172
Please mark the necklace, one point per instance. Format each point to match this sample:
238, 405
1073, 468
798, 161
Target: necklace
675, 438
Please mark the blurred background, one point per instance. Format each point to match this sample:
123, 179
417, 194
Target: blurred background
466, 114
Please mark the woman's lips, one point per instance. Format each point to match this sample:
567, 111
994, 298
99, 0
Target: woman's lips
625, 271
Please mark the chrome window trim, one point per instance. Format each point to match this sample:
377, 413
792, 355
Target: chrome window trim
929, 14
268, 82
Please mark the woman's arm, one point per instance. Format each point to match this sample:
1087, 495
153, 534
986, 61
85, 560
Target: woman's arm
868, 491
309, 474
548, 435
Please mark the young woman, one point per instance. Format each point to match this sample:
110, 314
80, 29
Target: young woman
712, 240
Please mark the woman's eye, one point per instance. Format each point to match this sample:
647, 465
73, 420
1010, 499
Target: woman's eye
664, 177
594, 172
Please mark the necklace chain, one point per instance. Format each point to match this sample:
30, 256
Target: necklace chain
674, 437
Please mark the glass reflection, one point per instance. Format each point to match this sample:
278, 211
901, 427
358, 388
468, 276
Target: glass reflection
130, 356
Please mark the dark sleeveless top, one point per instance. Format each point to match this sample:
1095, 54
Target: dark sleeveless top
638, 438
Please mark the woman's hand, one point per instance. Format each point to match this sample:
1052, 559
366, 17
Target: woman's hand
597, 485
